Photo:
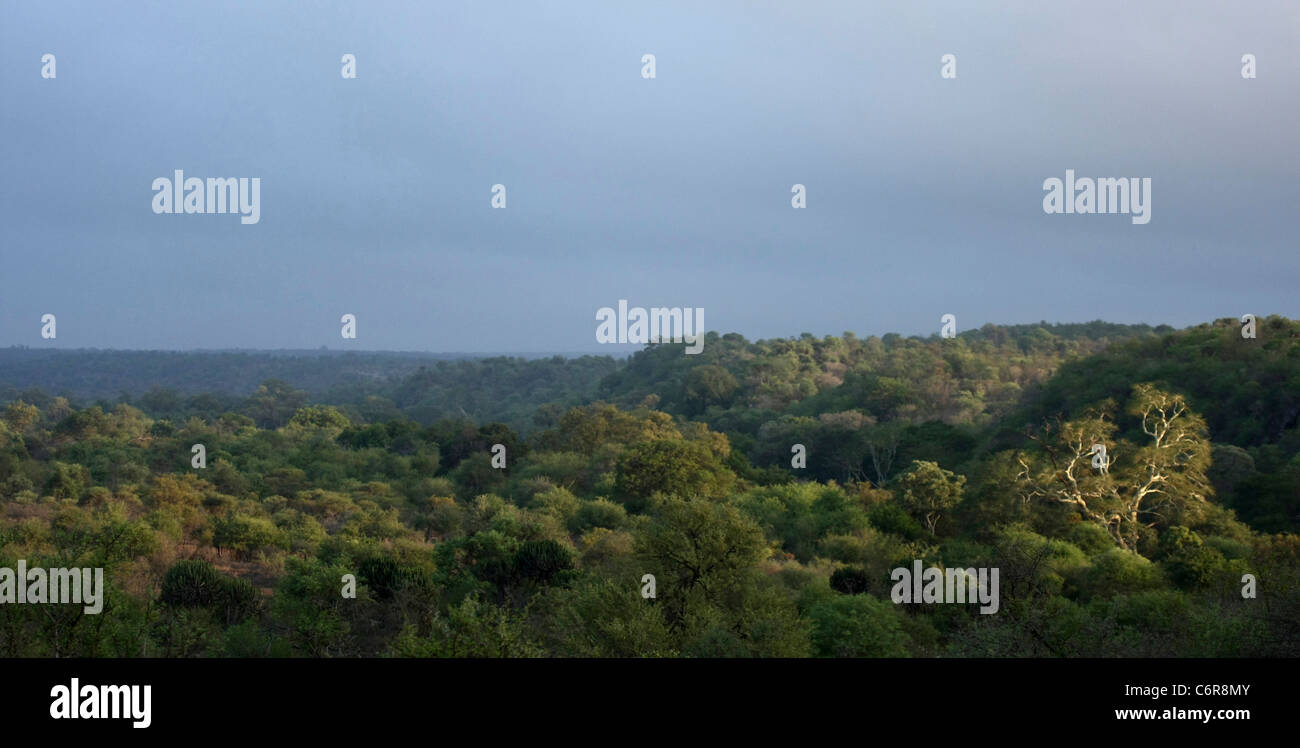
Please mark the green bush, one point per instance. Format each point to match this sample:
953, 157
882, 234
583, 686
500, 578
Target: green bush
195, 584
857, 626
541, 560
892, 518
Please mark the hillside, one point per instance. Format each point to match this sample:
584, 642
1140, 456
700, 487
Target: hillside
773, 489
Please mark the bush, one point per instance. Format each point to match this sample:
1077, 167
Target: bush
850, 580
857, 626
541, 560
195, 584
558, 502
1118, 571
599, 513
244, 534
892, 518
381, 575
1188, 561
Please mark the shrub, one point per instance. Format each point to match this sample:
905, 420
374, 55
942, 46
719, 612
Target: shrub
850, 580
195, 584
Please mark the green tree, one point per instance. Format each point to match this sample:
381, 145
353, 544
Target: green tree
709, 385
929, 491
698, 546
20, 416
857, 626
321, 419
671, 467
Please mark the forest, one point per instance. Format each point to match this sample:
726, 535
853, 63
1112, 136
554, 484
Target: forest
513, 507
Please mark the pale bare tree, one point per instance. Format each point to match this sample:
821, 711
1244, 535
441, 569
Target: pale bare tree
1161, 481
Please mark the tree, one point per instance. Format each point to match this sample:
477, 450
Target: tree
471, 628
542, 560
671, 467
882, 444
245, 535
857, 626
440, 516
601, 617
193, 583
709, 385
274, 403
929, 491
841, 444
1133, 487
20, 416
319, 418
698, 546
475, 475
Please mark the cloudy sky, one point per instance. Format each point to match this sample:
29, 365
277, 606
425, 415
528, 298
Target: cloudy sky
924, 194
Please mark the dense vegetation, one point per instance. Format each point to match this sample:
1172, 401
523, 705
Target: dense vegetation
373, 386
971, 452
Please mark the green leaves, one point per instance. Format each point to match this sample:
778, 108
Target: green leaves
195, 584
929, 491
670, 467
857, 626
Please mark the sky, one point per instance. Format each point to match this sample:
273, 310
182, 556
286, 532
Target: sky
924, 193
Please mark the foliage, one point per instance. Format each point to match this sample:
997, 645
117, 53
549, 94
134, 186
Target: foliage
350, 506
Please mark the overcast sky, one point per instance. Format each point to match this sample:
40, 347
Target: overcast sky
924, 194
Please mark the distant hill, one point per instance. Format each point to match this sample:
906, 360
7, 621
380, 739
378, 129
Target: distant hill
979, 374
92, 373
889, 376
378, 384
1248, 390
863, 407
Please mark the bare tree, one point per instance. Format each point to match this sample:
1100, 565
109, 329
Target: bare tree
1127, 487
